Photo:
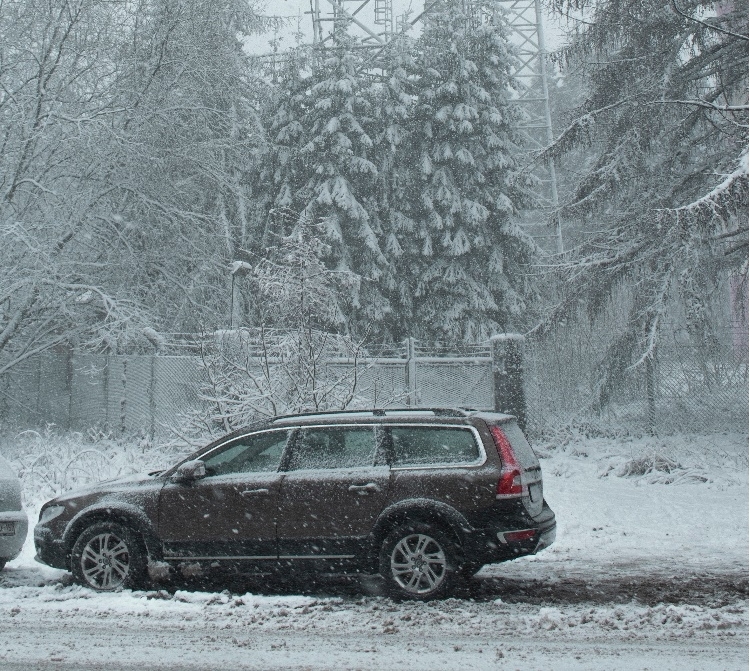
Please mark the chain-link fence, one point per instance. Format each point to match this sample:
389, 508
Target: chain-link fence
118, 394
685, 387
688, 387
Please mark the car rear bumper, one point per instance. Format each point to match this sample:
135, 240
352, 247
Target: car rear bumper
11, 544
512, 538
546, 538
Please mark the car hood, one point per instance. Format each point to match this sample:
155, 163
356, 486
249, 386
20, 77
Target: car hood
116, 485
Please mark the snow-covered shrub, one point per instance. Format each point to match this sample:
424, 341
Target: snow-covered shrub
284, 364
51, 462
670, 460
260, 373
648, 464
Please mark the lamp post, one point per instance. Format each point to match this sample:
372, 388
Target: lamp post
236, 269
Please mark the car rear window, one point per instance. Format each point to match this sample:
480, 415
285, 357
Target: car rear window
520, 445
423, 445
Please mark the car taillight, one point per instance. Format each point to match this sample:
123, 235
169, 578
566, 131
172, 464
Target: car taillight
510, 484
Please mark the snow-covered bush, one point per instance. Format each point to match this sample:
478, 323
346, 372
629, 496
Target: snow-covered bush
284, 364
257, 373
50, 462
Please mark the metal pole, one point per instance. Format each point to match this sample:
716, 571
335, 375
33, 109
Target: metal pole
152, 399
317, 28
411, 372
231, 306
106, 392
548, 119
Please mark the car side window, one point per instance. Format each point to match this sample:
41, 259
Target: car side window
424, 445
333, 447
259, 452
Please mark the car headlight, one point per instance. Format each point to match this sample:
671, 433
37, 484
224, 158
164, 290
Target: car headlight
50, 513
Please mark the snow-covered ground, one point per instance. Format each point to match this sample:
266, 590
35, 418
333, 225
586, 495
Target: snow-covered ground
649, 571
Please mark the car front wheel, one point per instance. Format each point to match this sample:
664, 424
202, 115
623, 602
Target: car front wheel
418, 562
108, 557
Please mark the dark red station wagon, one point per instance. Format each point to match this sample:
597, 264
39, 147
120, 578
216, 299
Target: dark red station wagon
423, 497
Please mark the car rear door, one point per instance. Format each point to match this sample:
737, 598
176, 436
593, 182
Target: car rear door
445, 463
332, 492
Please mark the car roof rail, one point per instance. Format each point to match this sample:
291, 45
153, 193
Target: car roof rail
381, 412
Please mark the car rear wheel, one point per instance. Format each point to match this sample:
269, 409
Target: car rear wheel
108, 557
418, 562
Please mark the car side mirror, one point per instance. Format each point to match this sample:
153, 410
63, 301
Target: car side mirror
189, 471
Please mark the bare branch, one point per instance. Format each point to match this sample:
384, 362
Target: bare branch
707, 25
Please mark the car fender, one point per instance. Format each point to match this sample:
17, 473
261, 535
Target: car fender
417, 509
120, 512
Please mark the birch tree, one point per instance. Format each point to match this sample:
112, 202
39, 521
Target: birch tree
122, 196
58, 114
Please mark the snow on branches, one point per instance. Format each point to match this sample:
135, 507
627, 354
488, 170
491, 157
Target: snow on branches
662, 193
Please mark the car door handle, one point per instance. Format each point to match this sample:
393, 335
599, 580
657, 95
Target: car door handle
256, 492
369, 488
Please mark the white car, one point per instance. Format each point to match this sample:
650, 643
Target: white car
13, 521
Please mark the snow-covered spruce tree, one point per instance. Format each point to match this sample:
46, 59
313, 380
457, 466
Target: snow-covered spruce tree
321, 168
398, 175
454, 185
666, 196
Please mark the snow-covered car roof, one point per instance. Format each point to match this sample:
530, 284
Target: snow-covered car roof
7, 472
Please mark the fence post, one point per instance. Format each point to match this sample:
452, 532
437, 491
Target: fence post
411, 373
38, 405
124, 398
651, 394
69, 385
507, 374
152, 399
106, 393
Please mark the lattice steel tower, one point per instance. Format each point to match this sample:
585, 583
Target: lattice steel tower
525, 19
373, 24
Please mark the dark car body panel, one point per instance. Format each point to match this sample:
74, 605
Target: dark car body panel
332, 517
224, 516
133, 501
329, 513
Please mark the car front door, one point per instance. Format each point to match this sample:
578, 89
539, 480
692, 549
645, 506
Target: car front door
332, 492
230, 514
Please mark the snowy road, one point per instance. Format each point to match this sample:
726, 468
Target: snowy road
642, 576
170, 648
682, 622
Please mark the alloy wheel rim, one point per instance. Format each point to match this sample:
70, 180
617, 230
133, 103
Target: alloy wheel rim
105, 562
418, 564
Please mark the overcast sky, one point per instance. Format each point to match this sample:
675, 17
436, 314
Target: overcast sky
298, 14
